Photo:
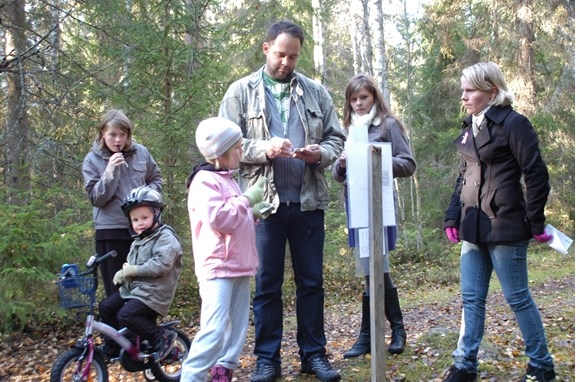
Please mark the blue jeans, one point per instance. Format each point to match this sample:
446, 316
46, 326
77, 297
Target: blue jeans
509, 261
304, 232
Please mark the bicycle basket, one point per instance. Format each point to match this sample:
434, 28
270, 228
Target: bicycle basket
76, 291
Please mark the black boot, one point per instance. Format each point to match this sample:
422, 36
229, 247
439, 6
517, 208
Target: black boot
394, 316
362, 345
110, 348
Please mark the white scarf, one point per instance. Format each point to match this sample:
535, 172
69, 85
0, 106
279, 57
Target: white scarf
359, 124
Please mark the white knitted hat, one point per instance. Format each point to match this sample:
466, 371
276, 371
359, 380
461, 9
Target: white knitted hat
214, 136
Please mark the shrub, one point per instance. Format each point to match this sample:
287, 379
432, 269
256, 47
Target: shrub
36, 240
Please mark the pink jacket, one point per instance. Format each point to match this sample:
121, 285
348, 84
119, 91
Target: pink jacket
222, 227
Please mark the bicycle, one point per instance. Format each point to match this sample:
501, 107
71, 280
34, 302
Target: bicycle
84, 361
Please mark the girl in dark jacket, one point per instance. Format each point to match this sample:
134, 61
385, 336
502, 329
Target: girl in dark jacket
497, 206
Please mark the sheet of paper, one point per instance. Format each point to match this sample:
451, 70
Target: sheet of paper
357, 175
364, 242
560, 241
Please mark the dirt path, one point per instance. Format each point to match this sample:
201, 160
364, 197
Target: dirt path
29, 356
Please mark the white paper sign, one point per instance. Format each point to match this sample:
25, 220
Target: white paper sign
560, 242
364, 243
357, 175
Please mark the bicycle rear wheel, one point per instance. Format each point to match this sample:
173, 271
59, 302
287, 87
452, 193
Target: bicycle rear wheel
69, 366
170, 369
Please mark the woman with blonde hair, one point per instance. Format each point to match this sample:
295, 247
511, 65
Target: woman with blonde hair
497, 206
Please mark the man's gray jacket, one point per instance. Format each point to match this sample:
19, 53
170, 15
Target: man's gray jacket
245, 104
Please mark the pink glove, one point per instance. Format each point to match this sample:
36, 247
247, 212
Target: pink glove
452, 234
544, 237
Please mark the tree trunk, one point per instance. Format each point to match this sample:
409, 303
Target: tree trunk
16, 176
525, 92
357, 16
380, 61
318, 34
366, 38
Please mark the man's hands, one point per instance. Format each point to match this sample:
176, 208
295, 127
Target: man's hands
279, 148
309, 154
283, 148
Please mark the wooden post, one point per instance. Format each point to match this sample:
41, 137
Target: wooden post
377, 240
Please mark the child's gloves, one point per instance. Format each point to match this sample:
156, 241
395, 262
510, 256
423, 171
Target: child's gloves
126, 271
129, 270
544, 237
452, 234
262, 210
118, 277
255, 193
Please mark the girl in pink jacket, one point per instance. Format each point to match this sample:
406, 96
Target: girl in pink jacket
223, 242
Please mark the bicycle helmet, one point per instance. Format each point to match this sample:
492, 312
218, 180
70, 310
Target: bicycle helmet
142, 196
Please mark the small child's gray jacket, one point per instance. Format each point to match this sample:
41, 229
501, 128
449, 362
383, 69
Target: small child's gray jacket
159, 261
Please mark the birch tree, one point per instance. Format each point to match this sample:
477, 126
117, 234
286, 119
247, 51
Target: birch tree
318, 36
379, 60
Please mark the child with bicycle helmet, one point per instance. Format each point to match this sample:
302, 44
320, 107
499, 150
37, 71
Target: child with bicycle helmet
149, 278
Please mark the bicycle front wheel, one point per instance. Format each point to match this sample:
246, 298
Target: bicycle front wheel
69, 367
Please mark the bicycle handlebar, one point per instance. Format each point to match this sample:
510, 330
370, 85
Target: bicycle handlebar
96, 260
70, 270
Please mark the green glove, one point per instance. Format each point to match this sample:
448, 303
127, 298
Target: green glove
118, 277
255, 193
130, 270
262, 210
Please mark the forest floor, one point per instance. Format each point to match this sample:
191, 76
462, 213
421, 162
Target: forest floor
432, 328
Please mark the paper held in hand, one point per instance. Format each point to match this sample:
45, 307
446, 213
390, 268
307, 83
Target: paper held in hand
560, 242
